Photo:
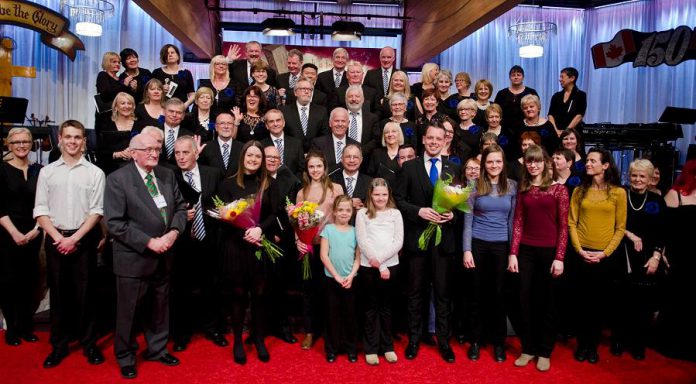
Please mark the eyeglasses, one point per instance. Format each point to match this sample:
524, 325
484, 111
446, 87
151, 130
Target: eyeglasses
304, 89
475, 169
148, 150
23, 142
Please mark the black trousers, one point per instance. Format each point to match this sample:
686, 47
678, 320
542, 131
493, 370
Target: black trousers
486, 298
131, 292
634, 303
591, 291
377, 300
71, 283
536, 294
425, 268
341, 329
19, 280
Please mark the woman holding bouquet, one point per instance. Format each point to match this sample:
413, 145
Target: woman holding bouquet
487, 234
316, 188
243, 273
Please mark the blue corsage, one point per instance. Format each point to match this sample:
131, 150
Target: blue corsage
652, 208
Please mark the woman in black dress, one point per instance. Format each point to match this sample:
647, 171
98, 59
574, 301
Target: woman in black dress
20, 239
172, 73
428, 75
516, 166
151, 111
398, 83
571, 139
250, 118
202, 118
484, 92
133, 77
469, 133
462, 81
431, 115
384, 161
225, 90
531, 108
108, 84
274, 97
494, 116
113, 136
243, 273
510, 98
398, 107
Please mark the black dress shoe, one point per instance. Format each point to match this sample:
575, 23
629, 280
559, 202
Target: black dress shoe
592, 356
581, 355
287, 336
429, 339
129, 372
446, 353
499, 353
353, 357
461, 339
54, 358
12, 340
30, 337
411, 350
94, 355
616, 348
474, 351
262, 352
217, 338
330, 357
167, 360
638, 353
238, 353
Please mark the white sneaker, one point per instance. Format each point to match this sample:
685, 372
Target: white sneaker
523, 360
543, 364
391, 357
372, 359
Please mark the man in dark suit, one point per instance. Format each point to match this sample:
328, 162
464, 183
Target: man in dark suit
240, 70
194, 255
309, 72
303, 120
223, 152
289, 79
174, 110
379, 78
290, 148
355, 77
363, 126
414, 195
354, 182
328, 81
332, 145
144, 213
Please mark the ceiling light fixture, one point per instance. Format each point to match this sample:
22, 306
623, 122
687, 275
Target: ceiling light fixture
278, 26
88, 15
347, 30
531, 37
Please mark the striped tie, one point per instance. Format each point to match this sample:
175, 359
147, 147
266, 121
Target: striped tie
225, 154
304, 120
281, 150
293, 80
339, 151
353, 131
169, 145
152, 188
349, 186
337, 79
197, 228
385, 81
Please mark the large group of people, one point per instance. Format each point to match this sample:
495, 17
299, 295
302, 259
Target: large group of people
552, 241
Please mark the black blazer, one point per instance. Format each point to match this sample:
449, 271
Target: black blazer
132, 218
288, 185
326, 84
212, 156
318, 98
210, 180
371, 99
414, 191
317, 125
239, 73
169, 162
360, 187
293, 153
283, 80
373, 79
325, 145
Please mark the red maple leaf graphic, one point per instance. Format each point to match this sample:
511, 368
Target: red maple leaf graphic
614, 52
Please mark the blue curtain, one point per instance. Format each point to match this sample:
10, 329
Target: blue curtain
619, 95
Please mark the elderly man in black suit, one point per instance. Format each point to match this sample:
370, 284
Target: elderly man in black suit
240, 70
378, 78
328, 81
354, 182
304, 120
289, 79
223, 152
414, 195
174, 111
363, 126
290, 148
332, 145
355, 77
144, 213
195, 259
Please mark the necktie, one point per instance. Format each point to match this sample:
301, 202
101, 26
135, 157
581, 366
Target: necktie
226, 154
152, 188
170, 143
337, 79
304, 120
249, 78
349, 186
293, 80
197, 228
353, 131
385, 81
339, 151
434, 174
279, 145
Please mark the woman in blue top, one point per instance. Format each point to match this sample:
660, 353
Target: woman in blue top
487, 235
341, 258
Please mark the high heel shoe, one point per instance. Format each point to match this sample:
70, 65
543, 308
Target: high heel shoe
261, 351
238, 352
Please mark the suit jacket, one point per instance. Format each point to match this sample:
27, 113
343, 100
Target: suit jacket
293, 153
370, 137
317, 125
210, 180
371, 100
132, 218
326, 146
373, 78
171, 162
326, 84
212, 156
288, 185
414, 191
359, 187
283, 80
238, 72
318, 98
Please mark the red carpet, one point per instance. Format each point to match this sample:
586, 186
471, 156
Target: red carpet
205, 363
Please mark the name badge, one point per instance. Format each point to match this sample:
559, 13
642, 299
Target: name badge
160, 201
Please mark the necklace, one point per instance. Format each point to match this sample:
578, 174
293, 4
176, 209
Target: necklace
631, 202
530, 124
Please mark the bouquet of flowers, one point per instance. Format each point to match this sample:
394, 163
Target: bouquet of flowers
306, 218
244, 213
446, 198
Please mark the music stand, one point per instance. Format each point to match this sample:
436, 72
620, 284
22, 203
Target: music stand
677, 115
12, 111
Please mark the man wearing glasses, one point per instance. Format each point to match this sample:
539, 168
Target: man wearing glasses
223, 152
144, 213
304, 120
